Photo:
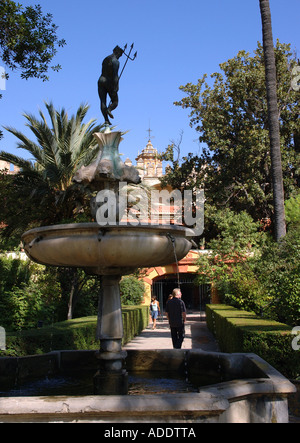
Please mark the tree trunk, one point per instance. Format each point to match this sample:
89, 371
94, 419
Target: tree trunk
70, 304
273, 117
76, 287
71, 286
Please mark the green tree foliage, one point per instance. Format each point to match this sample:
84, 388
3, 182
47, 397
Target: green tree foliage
251, 271
25, 295
42, 192
131, 290
237, 237
230, 114
79, 291
31, 294
28, 39
292, 210
278, 273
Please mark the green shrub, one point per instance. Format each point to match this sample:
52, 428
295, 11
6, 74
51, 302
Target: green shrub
28, 293
292, 209
278, 271
73, 334
253, 272
131, 290
242, 331
13, 271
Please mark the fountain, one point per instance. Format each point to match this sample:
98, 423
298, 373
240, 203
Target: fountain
241, 387
236, 387
108, 248
109, 252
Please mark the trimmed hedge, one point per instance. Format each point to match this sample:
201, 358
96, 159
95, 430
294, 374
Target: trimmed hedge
78, 333
242, 331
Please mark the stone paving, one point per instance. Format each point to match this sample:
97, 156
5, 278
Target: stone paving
197, 335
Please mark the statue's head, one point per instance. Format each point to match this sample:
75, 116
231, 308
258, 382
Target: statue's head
118, 51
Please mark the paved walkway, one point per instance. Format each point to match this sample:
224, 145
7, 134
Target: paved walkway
197, 335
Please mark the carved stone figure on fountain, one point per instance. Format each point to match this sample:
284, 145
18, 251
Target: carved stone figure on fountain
108, 166
107, 170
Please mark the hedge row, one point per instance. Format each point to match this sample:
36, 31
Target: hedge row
242, 331
78, 333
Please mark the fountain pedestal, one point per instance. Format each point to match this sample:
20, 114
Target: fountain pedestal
111, 378
105, 173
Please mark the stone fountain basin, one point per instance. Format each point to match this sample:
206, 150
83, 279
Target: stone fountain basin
107, 250
237, 388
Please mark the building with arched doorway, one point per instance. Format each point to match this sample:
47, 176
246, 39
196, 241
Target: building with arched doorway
161, 280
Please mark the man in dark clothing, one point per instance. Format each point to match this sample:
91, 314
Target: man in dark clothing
176, 314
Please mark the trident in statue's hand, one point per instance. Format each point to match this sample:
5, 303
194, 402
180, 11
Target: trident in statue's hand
128, 57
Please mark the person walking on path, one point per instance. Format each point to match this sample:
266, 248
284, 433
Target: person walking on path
176, 315
154, 308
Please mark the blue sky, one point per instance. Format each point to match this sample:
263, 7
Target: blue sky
177, 42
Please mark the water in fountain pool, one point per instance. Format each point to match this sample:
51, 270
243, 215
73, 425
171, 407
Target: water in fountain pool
139, 384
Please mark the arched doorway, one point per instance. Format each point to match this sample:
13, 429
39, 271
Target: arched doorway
194, 296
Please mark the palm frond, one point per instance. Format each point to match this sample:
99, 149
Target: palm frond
62, 145
27, 144
15, 160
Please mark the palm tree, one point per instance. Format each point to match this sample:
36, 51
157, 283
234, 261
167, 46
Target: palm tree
42, 192
273, 117
44, 183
